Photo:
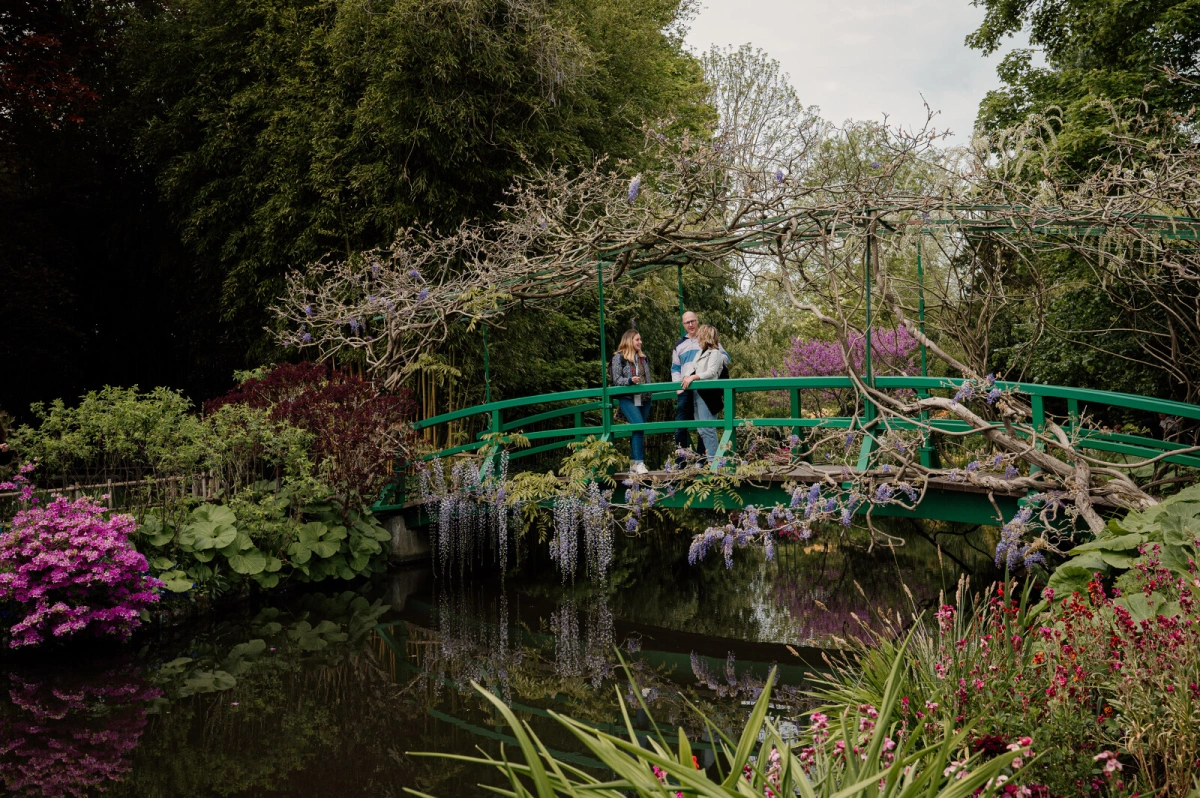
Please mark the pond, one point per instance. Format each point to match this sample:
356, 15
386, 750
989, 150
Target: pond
326, 693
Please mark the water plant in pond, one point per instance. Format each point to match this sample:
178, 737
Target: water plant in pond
68, 567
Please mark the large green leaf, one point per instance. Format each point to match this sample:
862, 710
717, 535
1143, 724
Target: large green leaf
176, 581
266, 580
241, 542
155, 532
1073, 575
248, 562
216, 513
1120, 543
312, 532
299, 552
211, 535
325, 548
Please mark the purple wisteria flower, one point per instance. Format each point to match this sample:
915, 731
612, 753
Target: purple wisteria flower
635, 186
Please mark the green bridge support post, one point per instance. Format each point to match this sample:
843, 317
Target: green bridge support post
928, 454
1038, 406
798, 449
487, 371
605, 402
868, 441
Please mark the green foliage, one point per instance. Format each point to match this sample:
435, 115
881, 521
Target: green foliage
283, 129
241, 443
1133, 550
1098, 53
591, 459
113, 431
261, 537
1087, 347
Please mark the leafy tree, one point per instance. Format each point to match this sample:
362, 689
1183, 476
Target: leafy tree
286, 129
1112, 51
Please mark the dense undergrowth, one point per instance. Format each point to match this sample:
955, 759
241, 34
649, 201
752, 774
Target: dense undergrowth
132, 499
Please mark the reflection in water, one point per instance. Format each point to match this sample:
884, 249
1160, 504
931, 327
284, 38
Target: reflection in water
324, 694
66, 733
583, 650
833, 590
471, 644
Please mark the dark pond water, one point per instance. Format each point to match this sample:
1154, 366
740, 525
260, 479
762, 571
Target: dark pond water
326, 694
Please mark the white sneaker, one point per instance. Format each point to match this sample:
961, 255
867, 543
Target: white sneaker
638, 467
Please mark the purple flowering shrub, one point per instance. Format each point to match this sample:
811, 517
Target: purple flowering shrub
71, 567
892, 352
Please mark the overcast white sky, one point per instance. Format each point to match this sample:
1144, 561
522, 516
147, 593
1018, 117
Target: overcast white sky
859, 59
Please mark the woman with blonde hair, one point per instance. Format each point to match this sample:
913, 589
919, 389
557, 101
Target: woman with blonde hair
630, 367
708, 365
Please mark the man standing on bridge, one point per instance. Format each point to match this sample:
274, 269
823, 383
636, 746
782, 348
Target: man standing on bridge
685, 352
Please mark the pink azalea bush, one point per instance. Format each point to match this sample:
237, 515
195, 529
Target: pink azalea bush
69, 567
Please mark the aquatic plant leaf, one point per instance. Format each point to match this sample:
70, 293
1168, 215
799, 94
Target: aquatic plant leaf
208, 682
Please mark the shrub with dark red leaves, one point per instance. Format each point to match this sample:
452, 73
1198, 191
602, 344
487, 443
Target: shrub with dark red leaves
356, 428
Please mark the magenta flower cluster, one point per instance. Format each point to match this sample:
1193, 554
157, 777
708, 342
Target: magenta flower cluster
72, 568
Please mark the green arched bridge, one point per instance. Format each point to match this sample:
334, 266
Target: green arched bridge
552, 421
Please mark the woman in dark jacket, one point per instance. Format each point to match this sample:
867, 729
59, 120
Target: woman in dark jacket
630, 367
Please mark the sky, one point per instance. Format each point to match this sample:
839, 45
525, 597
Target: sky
860, 59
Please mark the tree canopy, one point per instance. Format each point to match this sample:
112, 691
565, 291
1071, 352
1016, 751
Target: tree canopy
286, 129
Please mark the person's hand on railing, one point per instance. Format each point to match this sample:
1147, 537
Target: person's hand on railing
688, 380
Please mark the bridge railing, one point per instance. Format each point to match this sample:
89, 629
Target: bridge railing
586, 412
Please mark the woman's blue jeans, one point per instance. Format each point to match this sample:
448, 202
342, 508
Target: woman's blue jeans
707, 434
636, 415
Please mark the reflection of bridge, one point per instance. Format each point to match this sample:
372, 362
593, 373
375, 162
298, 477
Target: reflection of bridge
408, 650
552, 421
